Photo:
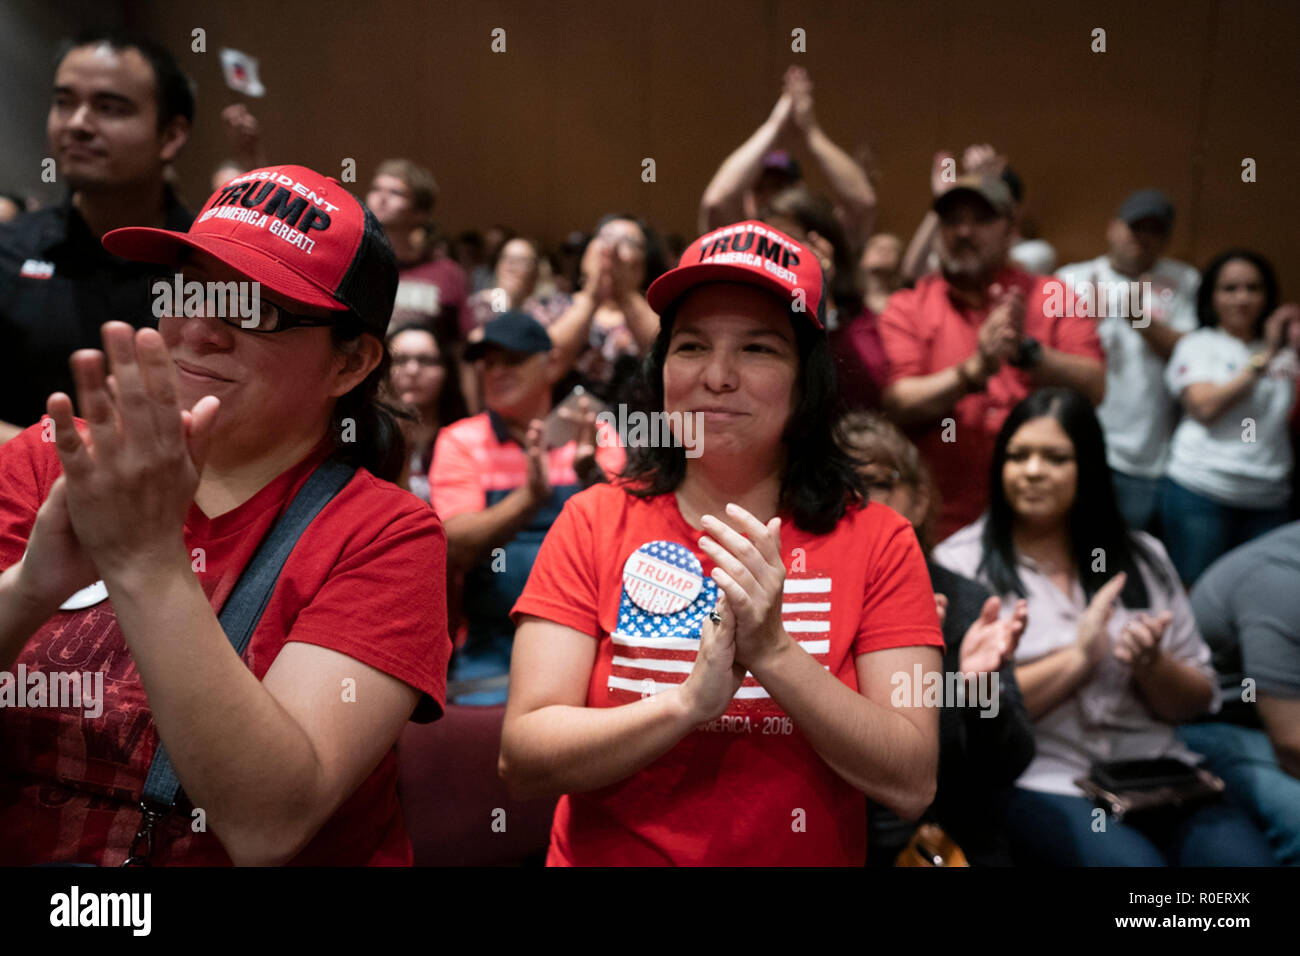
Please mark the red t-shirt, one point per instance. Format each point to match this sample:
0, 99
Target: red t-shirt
747, 788
924, 331
365, 579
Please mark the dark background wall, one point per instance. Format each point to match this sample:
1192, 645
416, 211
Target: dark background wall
551, 134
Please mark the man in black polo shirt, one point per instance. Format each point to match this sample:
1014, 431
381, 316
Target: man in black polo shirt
121, 113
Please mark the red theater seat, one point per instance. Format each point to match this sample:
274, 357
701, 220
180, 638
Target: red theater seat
450, 792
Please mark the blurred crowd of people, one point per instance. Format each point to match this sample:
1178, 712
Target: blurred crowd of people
1096, 458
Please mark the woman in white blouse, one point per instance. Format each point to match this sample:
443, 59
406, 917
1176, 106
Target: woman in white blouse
1110, 659
1230, 462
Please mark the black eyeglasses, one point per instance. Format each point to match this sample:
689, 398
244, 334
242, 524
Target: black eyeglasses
228, 301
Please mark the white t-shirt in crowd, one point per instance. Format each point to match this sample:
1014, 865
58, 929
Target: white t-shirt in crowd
1242, 458
1034, 255
1137, 415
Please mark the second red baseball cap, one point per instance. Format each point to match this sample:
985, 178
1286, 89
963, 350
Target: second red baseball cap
300, 234
751, 252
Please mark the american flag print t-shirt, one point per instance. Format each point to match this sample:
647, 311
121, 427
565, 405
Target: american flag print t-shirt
654, 652
629, 572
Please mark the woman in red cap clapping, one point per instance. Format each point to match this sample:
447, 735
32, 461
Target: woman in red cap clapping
262, 608
706, 650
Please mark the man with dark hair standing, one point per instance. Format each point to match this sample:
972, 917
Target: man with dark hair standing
120, 113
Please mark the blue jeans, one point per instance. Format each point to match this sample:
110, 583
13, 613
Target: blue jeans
1138, 500
483, 660
1049, 829
1198, 530
1245, 760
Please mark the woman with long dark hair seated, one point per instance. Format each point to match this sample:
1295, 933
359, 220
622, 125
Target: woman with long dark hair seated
1110, 659
135, 547
704, 650
985, 737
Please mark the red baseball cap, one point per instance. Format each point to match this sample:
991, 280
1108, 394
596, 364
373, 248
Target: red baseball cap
751, 252
298, 233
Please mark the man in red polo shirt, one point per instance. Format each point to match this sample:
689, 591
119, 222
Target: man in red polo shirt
970, 342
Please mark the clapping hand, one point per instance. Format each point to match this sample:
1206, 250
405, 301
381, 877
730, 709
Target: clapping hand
1003, 328
132, 478
989, 643
1138, 644
717, 675
981, 159
539, 479
1092, 640
798, 86
751, 574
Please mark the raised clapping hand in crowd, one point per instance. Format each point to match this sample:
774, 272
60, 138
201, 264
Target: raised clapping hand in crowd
611, 271
979, 159
598, 271
583, 418
798, 86
128, 478
1138, 644
539, 479
792, 118
1282, 328
989, 642
1094, 640
1003, 328
584, 457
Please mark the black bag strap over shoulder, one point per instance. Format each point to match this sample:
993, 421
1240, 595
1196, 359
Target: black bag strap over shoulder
239, 617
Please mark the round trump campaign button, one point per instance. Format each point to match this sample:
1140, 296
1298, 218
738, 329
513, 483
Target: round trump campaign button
662, 577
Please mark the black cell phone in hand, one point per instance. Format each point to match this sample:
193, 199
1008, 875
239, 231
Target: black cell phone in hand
1142, 774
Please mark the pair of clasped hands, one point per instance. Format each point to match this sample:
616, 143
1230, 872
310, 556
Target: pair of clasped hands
750, 576
117, 512
1137, 645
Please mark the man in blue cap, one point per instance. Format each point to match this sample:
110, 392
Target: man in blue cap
498, 488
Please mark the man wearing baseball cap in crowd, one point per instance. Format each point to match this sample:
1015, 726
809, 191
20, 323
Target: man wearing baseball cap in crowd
968, 343
724, 624
498, 480
257, 389
1143, 304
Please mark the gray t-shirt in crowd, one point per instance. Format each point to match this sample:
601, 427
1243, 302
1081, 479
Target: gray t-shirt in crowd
1247, 606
